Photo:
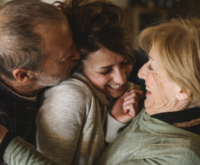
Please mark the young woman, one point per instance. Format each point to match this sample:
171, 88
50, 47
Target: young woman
76, 118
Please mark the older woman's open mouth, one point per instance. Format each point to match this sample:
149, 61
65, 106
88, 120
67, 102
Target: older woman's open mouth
148, 91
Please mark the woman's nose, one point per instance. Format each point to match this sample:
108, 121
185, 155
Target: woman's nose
142, 72
120, 76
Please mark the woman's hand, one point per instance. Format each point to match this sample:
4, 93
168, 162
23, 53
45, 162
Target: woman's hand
127, 106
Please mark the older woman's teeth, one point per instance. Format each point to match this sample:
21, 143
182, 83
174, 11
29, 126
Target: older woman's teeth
148, 90
115, 86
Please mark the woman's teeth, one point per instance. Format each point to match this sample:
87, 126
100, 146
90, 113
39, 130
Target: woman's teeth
115, 86
148, 90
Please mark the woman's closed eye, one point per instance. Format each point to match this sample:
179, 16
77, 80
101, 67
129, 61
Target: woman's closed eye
106, 72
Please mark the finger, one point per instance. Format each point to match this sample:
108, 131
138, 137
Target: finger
131, 114
131, 100
130, 96
131, 108
135, 93
125, 110
136, 90
129, 91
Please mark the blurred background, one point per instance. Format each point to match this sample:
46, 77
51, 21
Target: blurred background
143, 13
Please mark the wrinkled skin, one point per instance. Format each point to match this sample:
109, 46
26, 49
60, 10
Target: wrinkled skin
163, 94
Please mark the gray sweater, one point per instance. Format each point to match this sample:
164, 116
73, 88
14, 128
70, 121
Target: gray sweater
72, 122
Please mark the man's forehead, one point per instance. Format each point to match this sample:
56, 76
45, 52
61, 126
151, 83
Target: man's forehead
49, 26
52, 33
56, 39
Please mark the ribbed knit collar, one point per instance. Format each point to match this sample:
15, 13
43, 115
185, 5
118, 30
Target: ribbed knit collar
186, 115
179, 116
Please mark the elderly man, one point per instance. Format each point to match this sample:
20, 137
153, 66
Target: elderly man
36, 50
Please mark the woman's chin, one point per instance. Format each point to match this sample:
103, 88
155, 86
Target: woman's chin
147, 103
148, 106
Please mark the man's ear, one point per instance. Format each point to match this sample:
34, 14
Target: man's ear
24, 76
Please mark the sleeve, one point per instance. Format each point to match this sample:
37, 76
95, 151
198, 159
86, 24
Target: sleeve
60, 120
181, 152
147, 161
5, 142
187, 158
114, 127
19, 152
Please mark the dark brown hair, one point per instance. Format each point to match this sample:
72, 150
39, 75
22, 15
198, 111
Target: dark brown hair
97, 24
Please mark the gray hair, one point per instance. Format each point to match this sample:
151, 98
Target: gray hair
20, 43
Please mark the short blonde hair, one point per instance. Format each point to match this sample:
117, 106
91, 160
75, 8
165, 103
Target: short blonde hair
178, 45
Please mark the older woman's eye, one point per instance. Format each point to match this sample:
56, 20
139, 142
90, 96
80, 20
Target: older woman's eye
106, 72
149, 67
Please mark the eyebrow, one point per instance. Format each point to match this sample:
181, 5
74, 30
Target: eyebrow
104, 67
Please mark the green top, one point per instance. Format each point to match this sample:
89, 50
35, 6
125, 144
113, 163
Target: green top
151, 141
145, 141
19, 152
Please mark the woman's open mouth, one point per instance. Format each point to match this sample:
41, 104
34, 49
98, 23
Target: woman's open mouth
148, 91
116, 87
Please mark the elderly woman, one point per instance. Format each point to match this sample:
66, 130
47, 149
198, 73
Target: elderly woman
167, 130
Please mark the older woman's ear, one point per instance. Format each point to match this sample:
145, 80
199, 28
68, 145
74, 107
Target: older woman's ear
183, 96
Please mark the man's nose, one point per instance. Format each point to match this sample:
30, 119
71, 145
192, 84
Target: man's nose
75, 53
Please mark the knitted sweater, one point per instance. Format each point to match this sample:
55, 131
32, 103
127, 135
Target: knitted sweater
151, 141
18, 113
71, 122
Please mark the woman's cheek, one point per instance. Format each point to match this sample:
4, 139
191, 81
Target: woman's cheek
160, 96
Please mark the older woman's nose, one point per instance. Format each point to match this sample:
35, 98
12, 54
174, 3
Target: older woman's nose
142, 72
